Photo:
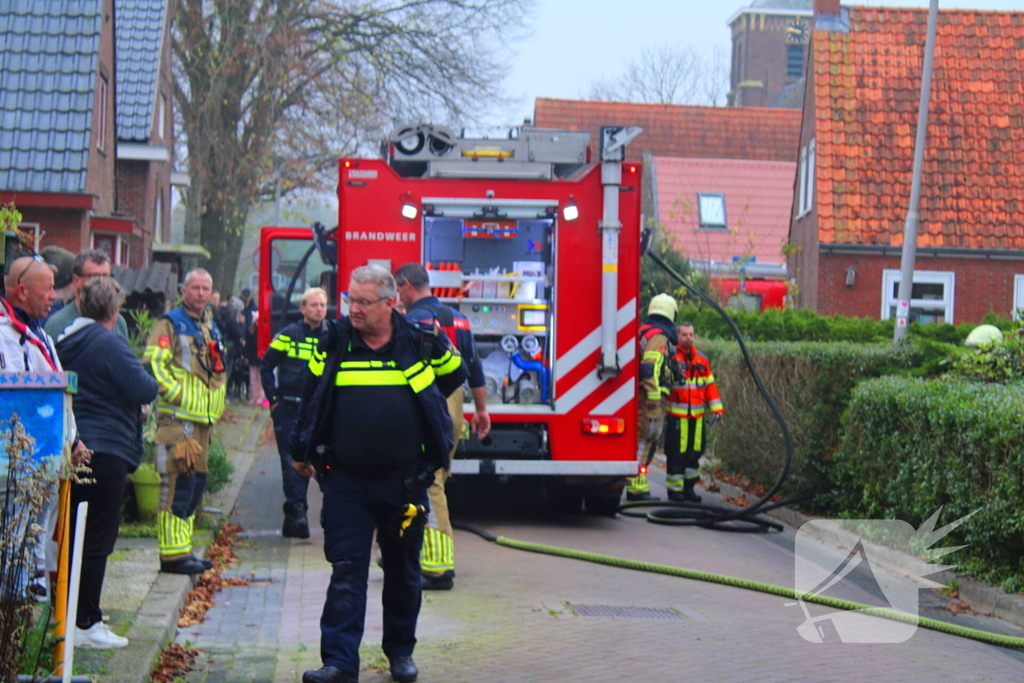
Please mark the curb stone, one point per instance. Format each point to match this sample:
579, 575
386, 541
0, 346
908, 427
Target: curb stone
156, 622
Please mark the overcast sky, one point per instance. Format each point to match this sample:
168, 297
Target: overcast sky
574, 42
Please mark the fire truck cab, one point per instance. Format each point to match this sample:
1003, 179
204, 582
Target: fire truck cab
540, 249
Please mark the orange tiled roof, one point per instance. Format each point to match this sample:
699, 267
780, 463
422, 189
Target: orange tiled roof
674, 130
867, 85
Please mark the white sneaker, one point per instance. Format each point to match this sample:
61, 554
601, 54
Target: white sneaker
98, 637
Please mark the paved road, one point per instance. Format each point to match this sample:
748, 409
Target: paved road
518, 617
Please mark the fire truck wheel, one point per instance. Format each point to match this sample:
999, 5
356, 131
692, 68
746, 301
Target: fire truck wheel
564, 501
602, 505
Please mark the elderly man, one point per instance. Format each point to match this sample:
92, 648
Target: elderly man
375, 421
185, 353
88, 264
289, 354
25, 347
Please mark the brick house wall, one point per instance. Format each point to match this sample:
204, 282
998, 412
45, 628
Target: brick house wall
101, 172
982, 285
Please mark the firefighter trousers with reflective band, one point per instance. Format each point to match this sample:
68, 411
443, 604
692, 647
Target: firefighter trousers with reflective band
180, 494
684, 444
438, 554
648, 435
353, 507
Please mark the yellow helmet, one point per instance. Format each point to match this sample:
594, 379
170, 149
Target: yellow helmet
663, 305
984, 334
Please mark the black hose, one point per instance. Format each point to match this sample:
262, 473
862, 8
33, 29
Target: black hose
714, 516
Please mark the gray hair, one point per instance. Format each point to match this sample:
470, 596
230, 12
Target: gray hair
311, 291
102, 298
196, 271
97, 256
378, 276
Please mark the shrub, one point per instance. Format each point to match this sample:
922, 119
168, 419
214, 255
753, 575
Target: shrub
811, 383
911, 446
218, 468
803, 325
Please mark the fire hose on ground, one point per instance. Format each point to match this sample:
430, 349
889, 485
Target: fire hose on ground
747, 584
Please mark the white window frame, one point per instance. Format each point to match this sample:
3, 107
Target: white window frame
161, 122
891, 277
704, 225
101, 114
37, 233
120, 255
805, 184
1018, 296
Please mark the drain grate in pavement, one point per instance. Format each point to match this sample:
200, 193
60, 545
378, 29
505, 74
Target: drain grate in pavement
625, 612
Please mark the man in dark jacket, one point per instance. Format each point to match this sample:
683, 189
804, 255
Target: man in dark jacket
437, 560
112, 388
375, 422
289, 353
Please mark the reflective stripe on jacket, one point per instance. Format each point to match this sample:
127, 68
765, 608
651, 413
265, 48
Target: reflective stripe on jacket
189, 387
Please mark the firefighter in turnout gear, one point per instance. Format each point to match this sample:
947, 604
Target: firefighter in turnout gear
289, 353
185, 355
437, 561
693, 393
657, 343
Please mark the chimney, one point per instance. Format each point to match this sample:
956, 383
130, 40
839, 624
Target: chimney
826, 7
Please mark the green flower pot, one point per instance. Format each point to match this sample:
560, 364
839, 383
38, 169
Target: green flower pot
146, 482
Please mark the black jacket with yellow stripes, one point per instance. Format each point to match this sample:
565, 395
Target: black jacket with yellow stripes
290, 352
431, 364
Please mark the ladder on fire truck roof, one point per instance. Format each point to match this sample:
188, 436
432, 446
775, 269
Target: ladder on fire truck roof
433, 151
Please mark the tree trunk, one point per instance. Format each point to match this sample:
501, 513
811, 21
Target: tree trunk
223, 238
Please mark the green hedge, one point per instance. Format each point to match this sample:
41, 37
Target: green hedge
802, 325
811, 383
911, 446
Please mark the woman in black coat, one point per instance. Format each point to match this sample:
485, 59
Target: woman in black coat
113, 387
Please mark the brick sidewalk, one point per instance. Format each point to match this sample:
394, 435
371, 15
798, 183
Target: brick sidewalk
517, 617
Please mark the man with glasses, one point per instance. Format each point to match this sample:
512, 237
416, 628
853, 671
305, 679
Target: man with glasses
374, 420
25, 347
289, 354
88, 264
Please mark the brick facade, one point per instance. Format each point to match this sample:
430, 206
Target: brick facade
982, 285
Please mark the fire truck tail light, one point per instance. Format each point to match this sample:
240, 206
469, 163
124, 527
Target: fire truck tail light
643, 469
570, 211
604, 425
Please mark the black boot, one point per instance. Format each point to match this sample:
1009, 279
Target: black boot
328, 674
403, 669
689, 495
296, 524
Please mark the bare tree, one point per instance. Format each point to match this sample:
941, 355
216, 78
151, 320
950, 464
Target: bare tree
271, 92
669, 74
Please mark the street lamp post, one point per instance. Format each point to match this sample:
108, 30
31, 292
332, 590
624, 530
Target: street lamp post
909, 257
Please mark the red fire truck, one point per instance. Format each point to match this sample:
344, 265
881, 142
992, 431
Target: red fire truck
540, 249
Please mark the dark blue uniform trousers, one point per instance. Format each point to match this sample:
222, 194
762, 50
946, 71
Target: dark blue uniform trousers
353, 507
294, 484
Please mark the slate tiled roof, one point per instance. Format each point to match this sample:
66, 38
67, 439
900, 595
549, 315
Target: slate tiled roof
140, 30
48, 56
758, 202
867, 85
675, 130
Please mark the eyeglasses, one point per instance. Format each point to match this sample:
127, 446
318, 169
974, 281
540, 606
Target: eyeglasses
31, 263
361, 303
